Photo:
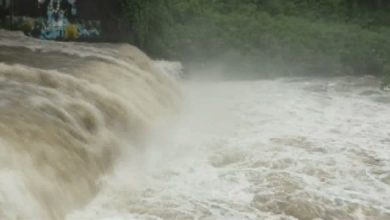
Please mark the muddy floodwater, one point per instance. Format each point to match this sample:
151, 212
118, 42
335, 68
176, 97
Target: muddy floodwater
275, 149
103, 132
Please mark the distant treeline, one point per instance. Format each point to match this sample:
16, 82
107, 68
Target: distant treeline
269, 37
266, 37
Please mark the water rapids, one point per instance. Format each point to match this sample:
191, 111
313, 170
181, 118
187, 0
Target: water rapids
101, 132
67, 111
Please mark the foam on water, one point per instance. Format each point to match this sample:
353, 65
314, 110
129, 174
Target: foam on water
81, 138
281, 150
67, 111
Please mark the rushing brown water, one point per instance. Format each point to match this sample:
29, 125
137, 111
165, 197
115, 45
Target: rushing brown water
287, 149
81, 138
66, 111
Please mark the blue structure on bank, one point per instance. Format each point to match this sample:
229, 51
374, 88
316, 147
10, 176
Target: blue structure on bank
58, 26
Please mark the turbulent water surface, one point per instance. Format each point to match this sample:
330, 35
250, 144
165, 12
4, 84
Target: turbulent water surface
67, 112
81, 140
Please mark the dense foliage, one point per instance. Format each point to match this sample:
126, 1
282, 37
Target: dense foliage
267, 37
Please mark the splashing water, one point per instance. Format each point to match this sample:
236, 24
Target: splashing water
281, 150
67, 110
80, 139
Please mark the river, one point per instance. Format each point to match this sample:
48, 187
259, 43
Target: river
101, 132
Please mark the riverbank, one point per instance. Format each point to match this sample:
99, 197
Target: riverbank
270, 38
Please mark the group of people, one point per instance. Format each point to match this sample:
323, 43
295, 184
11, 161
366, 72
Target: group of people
48, 19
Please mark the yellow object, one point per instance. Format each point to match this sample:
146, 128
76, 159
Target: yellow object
27, 26
71, 32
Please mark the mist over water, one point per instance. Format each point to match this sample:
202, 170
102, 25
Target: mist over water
67, 111
274, 149
99, 131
